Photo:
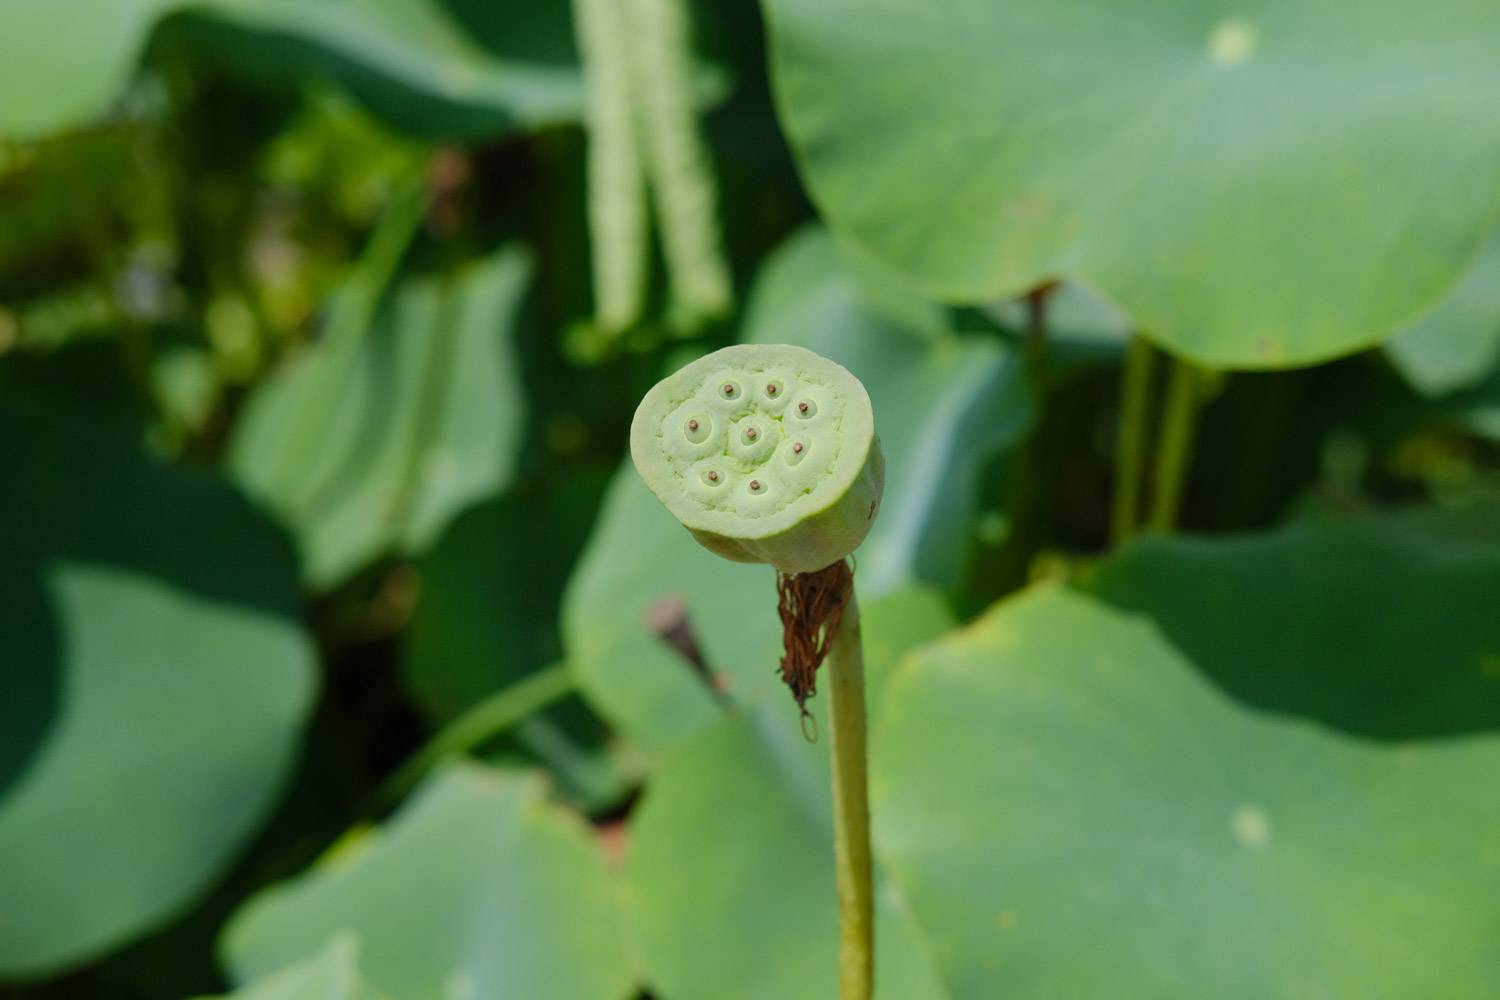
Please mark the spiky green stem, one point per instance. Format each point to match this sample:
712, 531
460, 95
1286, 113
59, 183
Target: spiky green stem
851, 809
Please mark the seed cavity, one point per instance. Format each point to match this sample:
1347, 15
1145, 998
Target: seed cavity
773, 389
697, 429
729, 390
757, 487
796, 453
807, 409
712, 478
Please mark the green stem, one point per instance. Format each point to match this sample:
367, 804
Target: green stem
479, 724
851, 809
1175, 446
1130, 445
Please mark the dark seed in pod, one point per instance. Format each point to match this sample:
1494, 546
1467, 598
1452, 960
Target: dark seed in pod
801, 407
771, 389
692, 425
755, 484
797, 448
727, 389
713, 477
752, 434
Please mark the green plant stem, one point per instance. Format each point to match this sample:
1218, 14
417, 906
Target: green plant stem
1174, 446
479, 724
1130, 445
851, 809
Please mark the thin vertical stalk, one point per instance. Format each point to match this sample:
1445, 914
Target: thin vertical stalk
1175, 446
1027, 502
1130, 445
851, 809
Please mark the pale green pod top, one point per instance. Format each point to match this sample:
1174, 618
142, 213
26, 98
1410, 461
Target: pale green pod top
766, 453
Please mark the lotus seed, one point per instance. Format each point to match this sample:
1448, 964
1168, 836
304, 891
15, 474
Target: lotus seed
797, 447
807, 408
697, 430
751, 434
772, 389
729, 390
755, 486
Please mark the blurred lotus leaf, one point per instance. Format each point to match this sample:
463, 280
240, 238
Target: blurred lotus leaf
438, 68
477, 888
407, 411
331, 974
1254, 184
1457, 342
156, 678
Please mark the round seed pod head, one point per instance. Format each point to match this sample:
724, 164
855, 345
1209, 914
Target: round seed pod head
766, 453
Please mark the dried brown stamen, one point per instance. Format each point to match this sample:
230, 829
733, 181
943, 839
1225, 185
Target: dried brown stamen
811, 606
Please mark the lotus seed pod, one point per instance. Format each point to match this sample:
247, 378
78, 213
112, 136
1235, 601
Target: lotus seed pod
766, 453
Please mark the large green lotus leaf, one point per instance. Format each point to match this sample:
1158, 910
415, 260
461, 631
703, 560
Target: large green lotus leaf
944, 405
477, 888
1385, 626
331, 974
1073, 810
1457, 343
375, 443
731, 860
1259, 184
155, 678
453, 69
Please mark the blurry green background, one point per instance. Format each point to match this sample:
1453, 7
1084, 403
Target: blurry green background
342, 657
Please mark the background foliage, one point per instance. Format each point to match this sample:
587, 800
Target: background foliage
343, 656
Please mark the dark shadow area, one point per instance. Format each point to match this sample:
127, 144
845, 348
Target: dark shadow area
282, 61
88, 492
30, 676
